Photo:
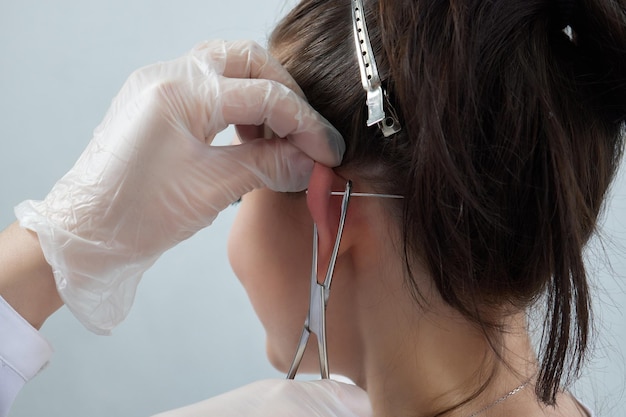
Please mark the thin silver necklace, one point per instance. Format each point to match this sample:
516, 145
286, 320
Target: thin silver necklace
501, 399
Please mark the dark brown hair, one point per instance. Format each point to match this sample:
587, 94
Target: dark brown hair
512, 133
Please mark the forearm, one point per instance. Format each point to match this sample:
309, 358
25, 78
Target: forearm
26, 280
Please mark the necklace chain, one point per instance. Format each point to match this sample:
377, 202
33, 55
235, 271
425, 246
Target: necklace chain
501, 399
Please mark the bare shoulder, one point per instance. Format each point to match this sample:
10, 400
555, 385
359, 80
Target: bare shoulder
566, 406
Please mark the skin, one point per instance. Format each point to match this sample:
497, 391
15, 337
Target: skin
413, 360
26, 280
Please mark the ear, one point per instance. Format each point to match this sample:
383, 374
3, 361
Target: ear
325, 210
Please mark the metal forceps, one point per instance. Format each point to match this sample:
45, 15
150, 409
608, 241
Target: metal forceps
315, 321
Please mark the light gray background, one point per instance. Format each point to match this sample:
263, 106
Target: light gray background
191, 334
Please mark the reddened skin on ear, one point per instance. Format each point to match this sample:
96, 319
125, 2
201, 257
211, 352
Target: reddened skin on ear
318, 199
325, 210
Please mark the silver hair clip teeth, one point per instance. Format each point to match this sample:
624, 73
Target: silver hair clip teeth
377, 100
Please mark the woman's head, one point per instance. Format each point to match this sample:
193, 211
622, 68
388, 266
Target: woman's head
511, 135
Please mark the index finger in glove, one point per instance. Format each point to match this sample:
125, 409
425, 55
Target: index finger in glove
257, 102
245, 59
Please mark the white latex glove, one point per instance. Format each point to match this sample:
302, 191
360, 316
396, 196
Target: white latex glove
149, 179
283, 398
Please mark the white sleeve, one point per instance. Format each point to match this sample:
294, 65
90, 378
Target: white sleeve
23, 353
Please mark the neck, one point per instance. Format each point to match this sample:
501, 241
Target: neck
422, 360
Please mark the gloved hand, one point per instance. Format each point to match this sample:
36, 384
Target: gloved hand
149, 179
283, 398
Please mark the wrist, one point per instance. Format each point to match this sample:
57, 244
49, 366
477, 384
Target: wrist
26, 279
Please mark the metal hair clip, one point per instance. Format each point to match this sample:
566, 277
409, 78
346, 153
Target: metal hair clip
315, 321
564, 12
377, 100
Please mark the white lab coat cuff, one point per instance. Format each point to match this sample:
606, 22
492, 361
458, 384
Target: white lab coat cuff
23, 353
22, 347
